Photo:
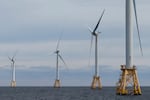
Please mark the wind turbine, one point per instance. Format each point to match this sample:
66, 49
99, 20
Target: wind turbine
129, 74
12, 60
58, 58
96, 78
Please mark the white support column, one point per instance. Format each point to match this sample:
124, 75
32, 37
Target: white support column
57, 69
96, 56
14, 72
129, 33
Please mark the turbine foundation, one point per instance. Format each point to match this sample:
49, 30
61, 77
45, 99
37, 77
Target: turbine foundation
128, 82
57, 84
13, 84
96, 81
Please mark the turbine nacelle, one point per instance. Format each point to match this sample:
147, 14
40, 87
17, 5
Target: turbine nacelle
12, 60
93, 33
57, 51
97, 33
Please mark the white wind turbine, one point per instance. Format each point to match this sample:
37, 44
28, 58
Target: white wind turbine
58, 58
96, 78
129, 73
12, 60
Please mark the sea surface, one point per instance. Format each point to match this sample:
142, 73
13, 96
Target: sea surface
68, 93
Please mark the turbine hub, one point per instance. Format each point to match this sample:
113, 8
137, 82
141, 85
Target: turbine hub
94, 33
57, 51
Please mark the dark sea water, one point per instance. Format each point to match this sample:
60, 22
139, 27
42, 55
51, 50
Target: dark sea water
67, 93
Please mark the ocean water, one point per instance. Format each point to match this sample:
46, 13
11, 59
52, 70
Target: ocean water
67, 93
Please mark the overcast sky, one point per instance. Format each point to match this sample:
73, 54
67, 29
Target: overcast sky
32, 28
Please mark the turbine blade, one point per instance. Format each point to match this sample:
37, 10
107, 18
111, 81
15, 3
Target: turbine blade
90, 29
137, 26
9, 58
99, 21
14, 55
62, 60
58, 41
90, 51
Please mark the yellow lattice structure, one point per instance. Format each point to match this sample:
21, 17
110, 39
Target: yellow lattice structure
57, 84
13, 84
128, 82
96, 81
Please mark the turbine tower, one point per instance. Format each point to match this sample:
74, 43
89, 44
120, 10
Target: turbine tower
96, 78
128, 82
58, 56
13, 81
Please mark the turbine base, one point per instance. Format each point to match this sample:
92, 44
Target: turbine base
57, 84
13, 84
96, 80
128, 83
